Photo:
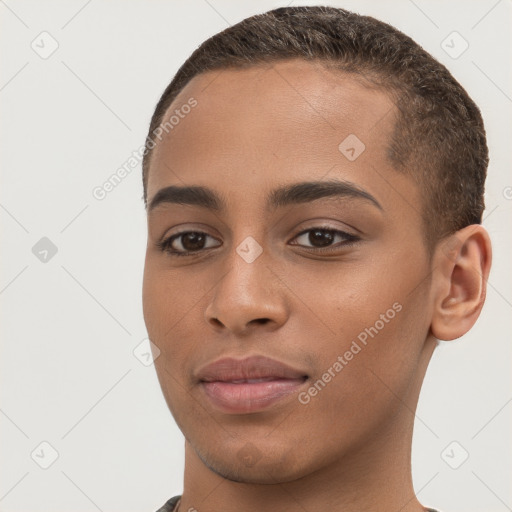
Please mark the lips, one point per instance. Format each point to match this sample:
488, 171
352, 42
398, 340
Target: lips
239, 386
251, 368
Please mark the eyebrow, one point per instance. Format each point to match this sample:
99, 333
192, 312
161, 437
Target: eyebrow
296, 193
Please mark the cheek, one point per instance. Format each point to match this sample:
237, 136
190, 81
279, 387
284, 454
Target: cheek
374, 319
173, 308
155, 301
359, 385
167, 297
347, 299
166, 304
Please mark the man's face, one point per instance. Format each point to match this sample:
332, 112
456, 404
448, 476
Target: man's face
337, 275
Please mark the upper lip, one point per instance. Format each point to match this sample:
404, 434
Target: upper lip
254, 367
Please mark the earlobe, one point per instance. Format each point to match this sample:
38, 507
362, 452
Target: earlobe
461, 268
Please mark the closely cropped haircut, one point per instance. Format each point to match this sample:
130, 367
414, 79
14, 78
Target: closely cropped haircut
438, 137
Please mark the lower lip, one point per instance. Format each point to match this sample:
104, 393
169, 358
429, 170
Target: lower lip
249, 397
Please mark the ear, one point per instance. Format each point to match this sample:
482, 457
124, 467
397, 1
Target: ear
461, 268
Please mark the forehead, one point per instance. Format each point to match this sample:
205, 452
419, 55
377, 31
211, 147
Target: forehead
276, 121
304, 86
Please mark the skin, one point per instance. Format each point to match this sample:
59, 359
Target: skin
349, 448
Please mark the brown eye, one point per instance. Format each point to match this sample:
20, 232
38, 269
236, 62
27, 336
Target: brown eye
187, 242
318, 238
192, 241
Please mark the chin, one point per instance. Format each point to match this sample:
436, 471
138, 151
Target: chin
262, 468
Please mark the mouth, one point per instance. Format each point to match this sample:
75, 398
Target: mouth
250, 395
248, 385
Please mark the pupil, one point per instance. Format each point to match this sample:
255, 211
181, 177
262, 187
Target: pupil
192, 241
320, 237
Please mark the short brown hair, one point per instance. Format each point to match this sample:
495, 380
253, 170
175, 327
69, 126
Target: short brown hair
439, 136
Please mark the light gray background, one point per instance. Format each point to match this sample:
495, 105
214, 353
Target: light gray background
70, 325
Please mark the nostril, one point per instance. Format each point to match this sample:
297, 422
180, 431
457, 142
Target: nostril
217, 322
262, 320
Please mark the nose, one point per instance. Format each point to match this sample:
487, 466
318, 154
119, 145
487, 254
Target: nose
249, 295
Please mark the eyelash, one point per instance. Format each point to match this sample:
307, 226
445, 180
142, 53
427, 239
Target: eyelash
349, 239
